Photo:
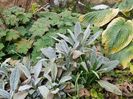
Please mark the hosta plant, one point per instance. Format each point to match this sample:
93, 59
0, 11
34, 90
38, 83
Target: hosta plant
118, 35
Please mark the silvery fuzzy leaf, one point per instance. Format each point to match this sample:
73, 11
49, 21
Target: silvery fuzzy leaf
4, 94
110, 87
37, 80
93, 38
86, 34
83, 64
93, 58
62, 47
7, 60
2, 84
44, 91
67, 39
74, 38
49, 52
55, 84
100, 7
108, 66
47, 69
37, 69
76, 54
56, 39
24, 87
76, 45
64, 79
21, 95
26, 61
14, 79
77, 29
80, 37
54, 71
25, 70
55, 91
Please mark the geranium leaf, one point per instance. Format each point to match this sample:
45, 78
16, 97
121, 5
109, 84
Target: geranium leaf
23, 46
12, 35
40, 27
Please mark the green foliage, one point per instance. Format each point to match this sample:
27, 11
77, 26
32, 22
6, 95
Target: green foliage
56, 69
126, 5
118, 35
99, 18
24, 33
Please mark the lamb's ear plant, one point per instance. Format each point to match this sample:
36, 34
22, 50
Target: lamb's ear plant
80, 53
55, 69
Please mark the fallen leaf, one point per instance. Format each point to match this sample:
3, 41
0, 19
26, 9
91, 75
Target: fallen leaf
76, 54
83, 92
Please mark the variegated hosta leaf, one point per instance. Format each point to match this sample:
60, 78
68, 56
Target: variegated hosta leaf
117, 35
99, 18
126, 5
124, 56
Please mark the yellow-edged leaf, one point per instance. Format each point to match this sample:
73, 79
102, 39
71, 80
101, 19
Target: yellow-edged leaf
126, 5
99, 18
124, 56
117, 35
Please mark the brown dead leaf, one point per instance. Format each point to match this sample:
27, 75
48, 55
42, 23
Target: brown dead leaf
84, 92
108, 78
76, 54
127, 88
20, 95
69, 88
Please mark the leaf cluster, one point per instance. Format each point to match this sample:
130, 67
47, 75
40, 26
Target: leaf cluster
22, 33
54, 74
118, 30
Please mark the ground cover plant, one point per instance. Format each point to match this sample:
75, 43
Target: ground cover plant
60, 67
24, 32
65, 49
